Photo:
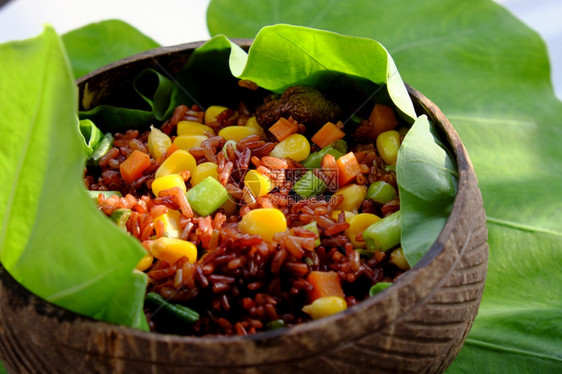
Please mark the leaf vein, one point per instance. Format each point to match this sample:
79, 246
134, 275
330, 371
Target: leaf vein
80, 286
505, 121
437, 39
319, 16
301, 49
522, 227
497, 347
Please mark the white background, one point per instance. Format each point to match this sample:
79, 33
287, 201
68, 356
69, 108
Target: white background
185, 20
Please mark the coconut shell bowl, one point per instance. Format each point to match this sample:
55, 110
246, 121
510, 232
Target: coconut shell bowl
417, 326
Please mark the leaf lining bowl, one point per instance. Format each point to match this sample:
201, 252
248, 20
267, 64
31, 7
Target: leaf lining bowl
419, 325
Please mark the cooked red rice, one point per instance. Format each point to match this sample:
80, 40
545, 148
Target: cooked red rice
240, 282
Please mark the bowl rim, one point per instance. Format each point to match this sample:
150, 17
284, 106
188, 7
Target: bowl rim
462, 163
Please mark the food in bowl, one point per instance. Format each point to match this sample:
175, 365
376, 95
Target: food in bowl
418, 325
256, 219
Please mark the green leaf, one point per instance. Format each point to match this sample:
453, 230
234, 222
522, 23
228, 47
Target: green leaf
490, 74
91, 134
98, 44
126, 305
52, 238
427, 180
120, 118
304, 55
209, 69
156, 92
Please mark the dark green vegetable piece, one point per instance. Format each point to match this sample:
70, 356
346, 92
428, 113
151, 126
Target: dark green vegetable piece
384, 234
120, 217
381, 192
207, 196
340, 145
103, 146
309, 185
336, 149
275, 324
378, 288
180, 312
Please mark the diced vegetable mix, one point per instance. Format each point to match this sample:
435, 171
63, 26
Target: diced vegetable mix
283, 128
207, 196
202, 171
295, 146
237, 133
193, 128
325, 283
100, 149
186, 142
258, 184
166, 182
265, 222
382, 119
134, 166
206, 176
381, 192
328, 134
357, 225
158, 142
177, 162
310, 185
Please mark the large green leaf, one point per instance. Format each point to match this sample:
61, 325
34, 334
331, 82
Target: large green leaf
98, 44
427, 179
303, 55
52, 239
489, 73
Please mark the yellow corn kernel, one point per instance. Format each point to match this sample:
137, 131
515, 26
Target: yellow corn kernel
388, 143
348, 215
237, 133
171, 250
177, 162
265, 222
167, 182
145, 262
295, 146
253, 123
353, 196
186, 142
193, 128
170, 221
325, 306
158, 142
212, 112
204, 170
258, 183
357, 225
398, 259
